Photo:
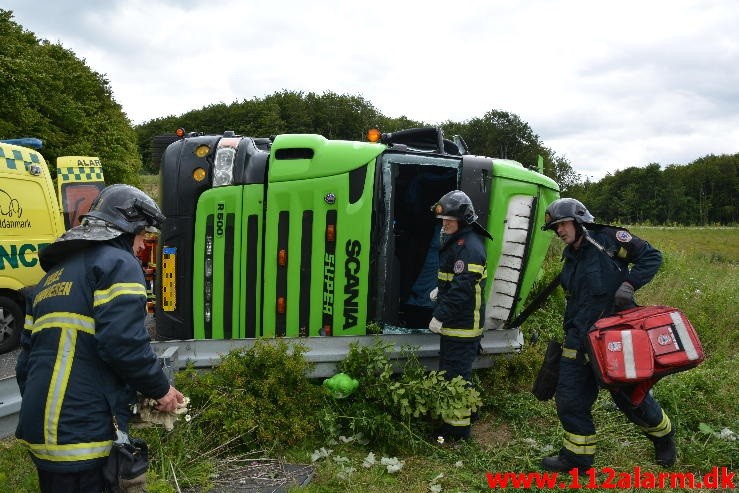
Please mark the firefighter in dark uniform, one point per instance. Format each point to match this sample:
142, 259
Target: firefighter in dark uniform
459, 313
598, 282
84, 348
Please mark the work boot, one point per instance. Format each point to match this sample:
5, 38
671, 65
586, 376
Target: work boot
561, 463
665, 450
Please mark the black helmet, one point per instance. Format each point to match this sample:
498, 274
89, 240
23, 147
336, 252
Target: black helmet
125, 208
566, 210
455, 205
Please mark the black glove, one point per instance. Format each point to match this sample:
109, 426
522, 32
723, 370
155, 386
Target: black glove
624, 297
545, 384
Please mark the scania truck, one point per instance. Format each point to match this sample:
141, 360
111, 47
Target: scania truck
298, 236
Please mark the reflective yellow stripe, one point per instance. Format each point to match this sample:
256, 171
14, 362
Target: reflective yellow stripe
478, 300
580, 444
663, 428
28, 325
104, 296
446, 276
58, 384
69, 452
581, 439
569, 353
65, 320
479, 269
461, 332
579, 449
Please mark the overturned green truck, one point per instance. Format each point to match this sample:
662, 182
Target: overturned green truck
299, 236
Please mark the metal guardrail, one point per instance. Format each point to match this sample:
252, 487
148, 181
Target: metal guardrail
323, 352
10, 405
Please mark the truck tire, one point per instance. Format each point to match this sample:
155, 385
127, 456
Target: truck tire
11, 324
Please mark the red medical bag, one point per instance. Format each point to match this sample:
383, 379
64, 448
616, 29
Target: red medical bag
643, 344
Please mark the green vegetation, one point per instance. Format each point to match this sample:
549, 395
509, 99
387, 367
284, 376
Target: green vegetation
394, 411
49, 93
258, 405
150, 185
702, 193
700, 274
258, 397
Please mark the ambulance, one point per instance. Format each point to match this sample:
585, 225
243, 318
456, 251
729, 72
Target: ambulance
33, 213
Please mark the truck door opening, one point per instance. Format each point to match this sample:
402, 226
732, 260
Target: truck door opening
409, 246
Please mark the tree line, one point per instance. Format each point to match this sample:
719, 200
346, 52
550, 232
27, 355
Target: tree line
49, 93
703, 192
348, 117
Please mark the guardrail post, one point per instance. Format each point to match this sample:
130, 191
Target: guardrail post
169, 362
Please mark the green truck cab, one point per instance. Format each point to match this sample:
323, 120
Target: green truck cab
298, 236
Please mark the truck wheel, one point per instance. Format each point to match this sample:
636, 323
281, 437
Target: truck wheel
11, 324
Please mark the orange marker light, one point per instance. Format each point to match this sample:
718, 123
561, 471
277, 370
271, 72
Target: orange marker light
180, 132
198, 174
282, 257
327, 330
202, 151
331, 233
373, 135
281, 305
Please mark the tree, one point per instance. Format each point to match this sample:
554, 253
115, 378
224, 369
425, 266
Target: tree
504, 135
48, 93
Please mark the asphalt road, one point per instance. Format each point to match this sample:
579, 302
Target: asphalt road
7, 363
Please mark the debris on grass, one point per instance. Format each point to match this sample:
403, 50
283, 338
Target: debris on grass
393, 464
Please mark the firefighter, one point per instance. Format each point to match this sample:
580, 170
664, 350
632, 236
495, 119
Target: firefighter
84, 348
598, 282
458, 315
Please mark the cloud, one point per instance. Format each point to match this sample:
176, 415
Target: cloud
605, 85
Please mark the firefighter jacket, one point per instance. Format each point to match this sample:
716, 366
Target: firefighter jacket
591, 277
85, 352
462, 274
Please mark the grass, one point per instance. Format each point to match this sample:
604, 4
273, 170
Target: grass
150, 185
699, 275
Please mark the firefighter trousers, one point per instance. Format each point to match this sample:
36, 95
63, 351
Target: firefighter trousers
455, 358
577, 390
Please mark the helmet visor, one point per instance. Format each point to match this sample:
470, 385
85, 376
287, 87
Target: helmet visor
550, 224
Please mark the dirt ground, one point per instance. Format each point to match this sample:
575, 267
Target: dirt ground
491, 435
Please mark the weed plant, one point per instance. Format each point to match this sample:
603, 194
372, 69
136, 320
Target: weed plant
259, 396
395, 412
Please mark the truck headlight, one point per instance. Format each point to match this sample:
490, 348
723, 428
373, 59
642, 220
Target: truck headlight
223, 166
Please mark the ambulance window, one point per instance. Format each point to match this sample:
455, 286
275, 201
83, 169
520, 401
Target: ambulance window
76, 201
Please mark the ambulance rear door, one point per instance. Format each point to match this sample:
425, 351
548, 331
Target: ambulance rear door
79, 179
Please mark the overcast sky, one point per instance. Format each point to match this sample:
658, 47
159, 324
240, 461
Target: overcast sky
607, 85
